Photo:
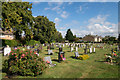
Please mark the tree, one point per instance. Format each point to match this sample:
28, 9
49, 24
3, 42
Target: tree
69, 36
58, 37
44, 30
17, 17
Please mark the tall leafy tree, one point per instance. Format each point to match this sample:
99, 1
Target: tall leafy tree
17, 17
58, 37
44, 30
69, 36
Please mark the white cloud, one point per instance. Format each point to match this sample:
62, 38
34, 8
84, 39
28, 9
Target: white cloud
64, 14
46, 8
57, 21
62, 28
100, 25
96, 26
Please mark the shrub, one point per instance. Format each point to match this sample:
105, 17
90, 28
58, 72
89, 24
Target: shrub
26, 63
32, 42
11, 43
83, 57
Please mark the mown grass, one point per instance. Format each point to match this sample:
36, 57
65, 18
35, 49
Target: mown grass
94, 67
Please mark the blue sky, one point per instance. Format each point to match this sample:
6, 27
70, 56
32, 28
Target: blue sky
97, 18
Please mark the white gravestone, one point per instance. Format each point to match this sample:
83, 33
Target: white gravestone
71, 49
28, 47
63, 45
93, 49
76, 48
90, 50
7, 50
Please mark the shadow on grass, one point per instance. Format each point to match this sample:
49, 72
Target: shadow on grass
46, 50
68, 51
99, 61
73, 57
56, 60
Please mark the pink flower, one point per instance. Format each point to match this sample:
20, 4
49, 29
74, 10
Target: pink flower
16, 56
30, 51
27, 63
12, 53
15, 53
36, 66
23, 55
115, 54
34, 52
37, 72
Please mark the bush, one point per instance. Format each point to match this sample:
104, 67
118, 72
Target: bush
11, 43
24, 62
83, 57
32, 42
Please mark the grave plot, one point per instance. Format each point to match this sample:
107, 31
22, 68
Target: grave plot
80, 67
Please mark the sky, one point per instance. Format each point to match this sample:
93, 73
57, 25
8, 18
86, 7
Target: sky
96, 18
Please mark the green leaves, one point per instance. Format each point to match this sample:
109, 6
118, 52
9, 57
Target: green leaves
69, 36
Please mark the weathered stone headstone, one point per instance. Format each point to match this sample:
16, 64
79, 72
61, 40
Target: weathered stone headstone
71, 49
48, 59
76, 54
94, 50
50, 52
90, 50
85, 50
7, 50
28, 47
76, 48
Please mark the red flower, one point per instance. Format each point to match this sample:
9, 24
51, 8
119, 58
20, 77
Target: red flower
37, 72
16, 56
23, 55
30, 51
34, 52
48, 62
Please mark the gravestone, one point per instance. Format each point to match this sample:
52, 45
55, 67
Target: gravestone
63, 45
76, 48
61, 54
76, 54
7, 50
94, 50
48, 59
85, 50
50, 52
28, 47
90, 50
71, 49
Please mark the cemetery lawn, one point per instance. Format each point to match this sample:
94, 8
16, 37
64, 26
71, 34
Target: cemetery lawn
94, 67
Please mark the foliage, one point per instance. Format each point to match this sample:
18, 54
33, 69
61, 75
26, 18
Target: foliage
11, 43
58, 37
109, 39
32, 42
83, 57
69, 36
24, 62
44, 30
17, 18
